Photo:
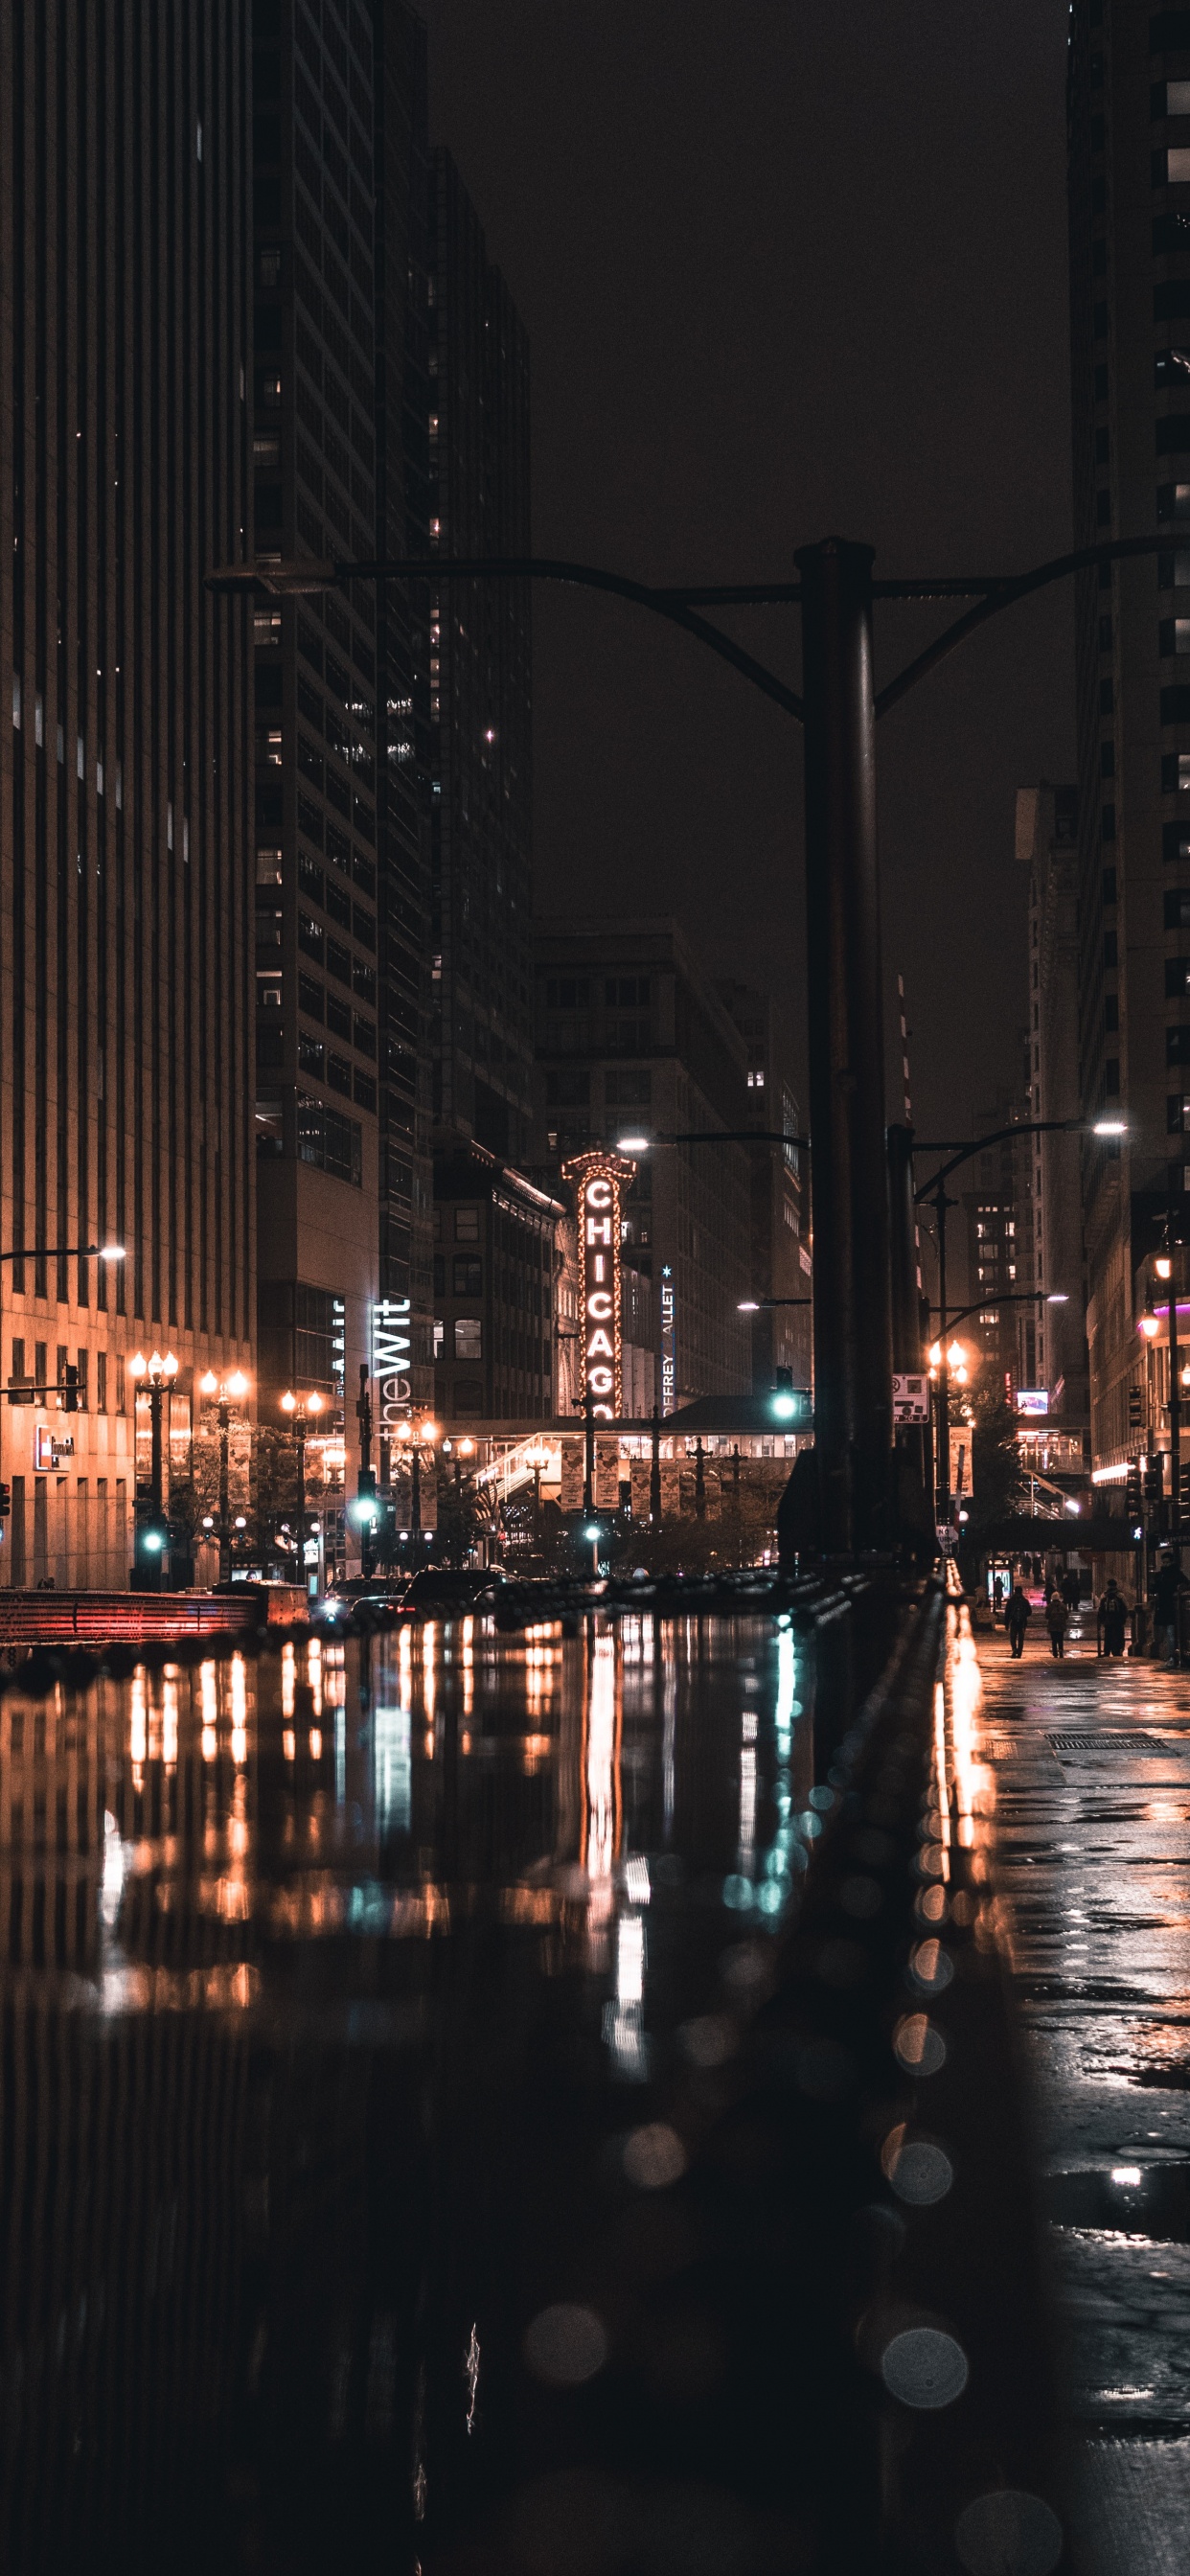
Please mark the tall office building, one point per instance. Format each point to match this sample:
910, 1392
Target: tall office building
632, 1038
1053, 1338
341, 741
480, 691
780, 1240
125, 410
1129, 178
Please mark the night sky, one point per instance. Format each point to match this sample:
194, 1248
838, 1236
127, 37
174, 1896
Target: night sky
786, 270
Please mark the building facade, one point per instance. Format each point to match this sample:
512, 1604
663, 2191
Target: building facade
782, 1335
998, 1244
496, 1269
480, 691
1052, 1339
125, 772
633, 1040
1129, 188
341, 313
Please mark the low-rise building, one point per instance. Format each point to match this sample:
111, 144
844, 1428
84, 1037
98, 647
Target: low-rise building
496, 1271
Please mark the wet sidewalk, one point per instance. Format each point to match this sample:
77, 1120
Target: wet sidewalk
1085, 1799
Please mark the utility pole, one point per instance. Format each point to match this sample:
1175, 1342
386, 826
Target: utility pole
655, 1468
942, 1463
852, 1304
367, 1477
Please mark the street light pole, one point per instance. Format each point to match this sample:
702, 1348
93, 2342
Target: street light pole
845, 1017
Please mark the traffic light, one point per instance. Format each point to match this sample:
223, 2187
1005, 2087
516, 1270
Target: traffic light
364, 1509
70, 1398
1153, 1480
150, 1550
1184, 1488
5, 1501
1132, 1494
1136, 1407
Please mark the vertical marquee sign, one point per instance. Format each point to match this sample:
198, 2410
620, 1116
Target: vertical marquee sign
600, 1181
392, 1351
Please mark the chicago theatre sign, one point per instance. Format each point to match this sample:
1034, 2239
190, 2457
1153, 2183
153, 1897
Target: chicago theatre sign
600, 1181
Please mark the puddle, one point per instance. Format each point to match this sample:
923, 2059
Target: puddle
1123, 2199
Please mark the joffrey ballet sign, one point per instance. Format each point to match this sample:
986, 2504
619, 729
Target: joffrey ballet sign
600, 1181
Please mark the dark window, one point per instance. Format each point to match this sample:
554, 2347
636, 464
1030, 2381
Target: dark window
1177, 978
338, 1074
1173, 434
628, 1090
1109, 885
311, 1054
311, 998
338, 1015
332, 1142
568, 1090
338, 961
1107, 760
1177, 1045
1177, 910
1111, 1013
1105, 635
1109, 948
363, 1035
1175, 705
1175, 842
1174, 1110
310, 877
338, 904
467, 1275
567, 993
310, 937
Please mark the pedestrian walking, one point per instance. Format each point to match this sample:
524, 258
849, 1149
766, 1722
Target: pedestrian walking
1072, 1590
1016, 1619
1056, 1615
1112, 1620
1167, 1583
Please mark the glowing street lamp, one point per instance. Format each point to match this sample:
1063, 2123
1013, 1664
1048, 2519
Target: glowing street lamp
225, 1391
302, 1409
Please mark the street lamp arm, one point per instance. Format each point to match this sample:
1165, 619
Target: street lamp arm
52, 1252
1002, 594
979, 1145
289, 580
997, 1297
733, 1136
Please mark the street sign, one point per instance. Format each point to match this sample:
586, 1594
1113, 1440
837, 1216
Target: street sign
911, 1397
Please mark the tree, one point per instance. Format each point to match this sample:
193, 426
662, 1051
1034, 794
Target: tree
998, 1478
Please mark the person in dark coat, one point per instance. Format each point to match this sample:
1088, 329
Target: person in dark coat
1169, 1581
1112, 1620
1056, 1615
1016, 1619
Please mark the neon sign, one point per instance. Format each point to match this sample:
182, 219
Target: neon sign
669, 1341
600, 1181
392, 1350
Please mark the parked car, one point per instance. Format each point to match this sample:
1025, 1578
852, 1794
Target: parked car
445, 1592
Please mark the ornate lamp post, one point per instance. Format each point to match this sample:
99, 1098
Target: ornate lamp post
414, 1438
301, 1409
227, 1391
537, 1459
157, 1375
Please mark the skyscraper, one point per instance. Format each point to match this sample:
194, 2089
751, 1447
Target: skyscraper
341, 744
1053, 1338
480, 691
125, 410
1129, 180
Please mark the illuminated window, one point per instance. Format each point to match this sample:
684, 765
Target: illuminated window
439, 1337
466, 1225
468, 1337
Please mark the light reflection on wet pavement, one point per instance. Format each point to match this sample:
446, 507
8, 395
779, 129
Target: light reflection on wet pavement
327, 1977
1089, 1847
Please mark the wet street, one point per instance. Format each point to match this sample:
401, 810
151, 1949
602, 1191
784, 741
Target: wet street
1085, 1798
338, 1992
